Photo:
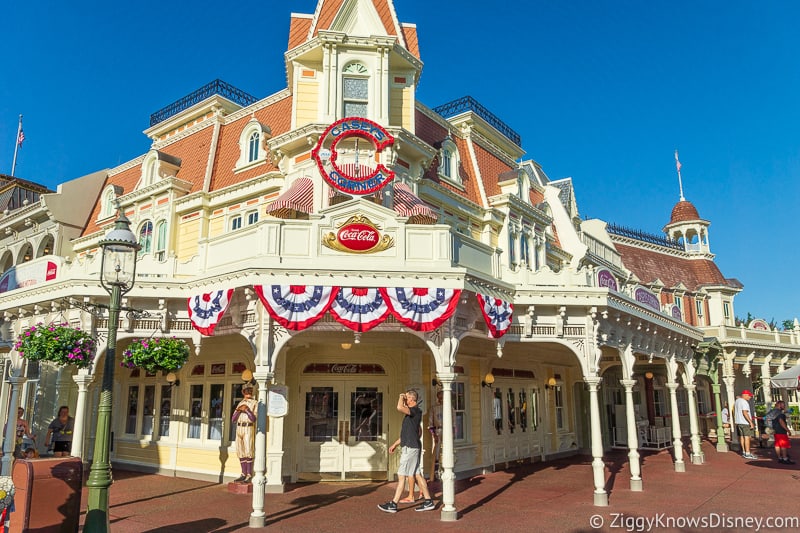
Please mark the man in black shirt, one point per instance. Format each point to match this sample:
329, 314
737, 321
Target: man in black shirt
410, 450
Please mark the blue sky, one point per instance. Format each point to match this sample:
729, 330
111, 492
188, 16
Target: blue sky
603, 92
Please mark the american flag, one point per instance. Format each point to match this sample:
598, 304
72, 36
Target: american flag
20, 137
677, 163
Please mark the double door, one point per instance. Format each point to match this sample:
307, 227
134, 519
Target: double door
343, 431
517, 421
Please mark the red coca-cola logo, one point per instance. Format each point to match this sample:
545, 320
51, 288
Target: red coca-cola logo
358, 237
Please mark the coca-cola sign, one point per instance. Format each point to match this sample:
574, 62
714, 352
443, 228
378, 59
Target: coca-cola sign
359, 235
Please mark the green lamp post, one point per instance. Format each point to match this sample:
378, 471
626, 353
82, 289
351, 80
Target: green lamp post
117, 275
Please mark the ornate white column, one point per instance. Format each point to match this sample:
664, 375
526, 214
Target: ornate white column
598, 466
83, 378
730, 396
633, 437
449, 512
275, 452
10, 438
766, 384
697, 453
677, 443
258, 517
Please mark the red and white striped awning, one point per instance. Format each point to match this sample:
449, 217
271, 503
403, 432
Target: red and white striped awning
407, 204
298, 198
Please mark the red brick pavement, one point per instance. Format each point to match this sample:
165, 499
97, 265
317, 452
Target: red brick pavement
555, 496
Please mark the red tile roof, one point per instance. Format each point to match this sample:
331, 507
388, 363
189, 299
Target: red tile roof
298, 31
671, 270
412, 39
684, 211
277, 116
127, 179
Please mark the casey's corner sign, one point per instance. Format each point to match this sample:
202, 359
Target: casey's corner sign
348, 155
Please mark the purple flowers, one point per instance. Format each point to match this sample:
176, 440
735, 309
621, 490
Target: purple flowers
155, 354
58, 343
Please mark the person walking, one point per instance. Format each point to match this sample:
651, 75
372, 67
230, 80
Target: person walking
782, 432
244, 416
410, 452
60, 429
745, 425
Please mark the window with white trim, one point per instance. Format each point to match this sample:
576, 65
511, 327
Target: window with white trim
355, 90
561, 417
148, 407
252, 150
236, 222
109, 202
146, 237
459, 410
253, 146
252, 218
161, 240
449, 162
726, 310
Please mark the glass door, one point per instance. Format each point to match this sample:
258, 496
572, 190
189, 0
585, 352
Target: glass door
343, 432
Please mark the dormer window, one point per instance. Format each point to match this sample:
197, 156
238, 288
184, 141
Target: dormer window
251, 142
449, 162
108, 203
156, 166
253, 148
355, 90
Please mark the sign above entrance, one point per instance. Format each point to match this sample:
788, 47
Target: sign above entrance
344, 368
348, 155
359, 235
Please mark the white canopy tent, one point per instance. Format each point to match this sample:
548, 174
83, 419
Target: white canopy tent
788, 379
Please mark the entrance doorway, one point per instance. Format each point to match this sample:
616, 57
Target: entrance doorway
343, 431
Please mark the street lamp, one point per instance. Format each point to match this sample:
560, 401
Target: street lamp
117, 275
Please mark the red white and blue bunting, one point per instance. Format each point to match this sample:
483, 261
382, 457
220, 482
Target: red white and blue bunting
421, 309
359, 308
206, 310
497, 313
296, 307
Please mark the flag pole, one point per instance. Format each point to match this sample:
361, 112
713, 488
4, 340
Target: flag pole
680, 181
16, 146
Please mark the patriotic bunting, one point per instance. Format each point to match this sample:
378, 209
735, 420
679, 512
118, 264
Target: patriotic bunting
497, 313
359, 308
296, 307
421, 309
206, 310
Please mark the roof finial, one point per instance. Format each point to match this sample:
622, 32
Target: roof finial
680, 181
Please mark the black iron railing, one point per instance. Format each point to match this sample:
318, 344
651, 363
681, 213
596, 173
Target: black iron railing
643, 236
468, 103
217, 86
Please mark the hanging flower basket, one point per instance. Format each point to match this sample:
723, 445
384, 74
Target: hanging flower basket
58, 343
156, 354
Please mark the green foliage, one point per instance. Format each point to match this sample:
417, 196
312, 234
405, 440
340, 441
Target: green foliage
160, 353
57, 343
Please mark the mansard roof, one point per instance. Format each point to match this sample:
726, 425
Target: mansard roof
650, 264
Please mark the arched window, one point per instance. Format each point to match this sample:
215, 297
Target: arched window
251, 144
449, 162
146, 237
161, 240
252, 154
355, 90
109, 203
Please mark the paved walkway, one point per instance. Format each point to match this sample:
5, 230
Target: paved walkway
554, 496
